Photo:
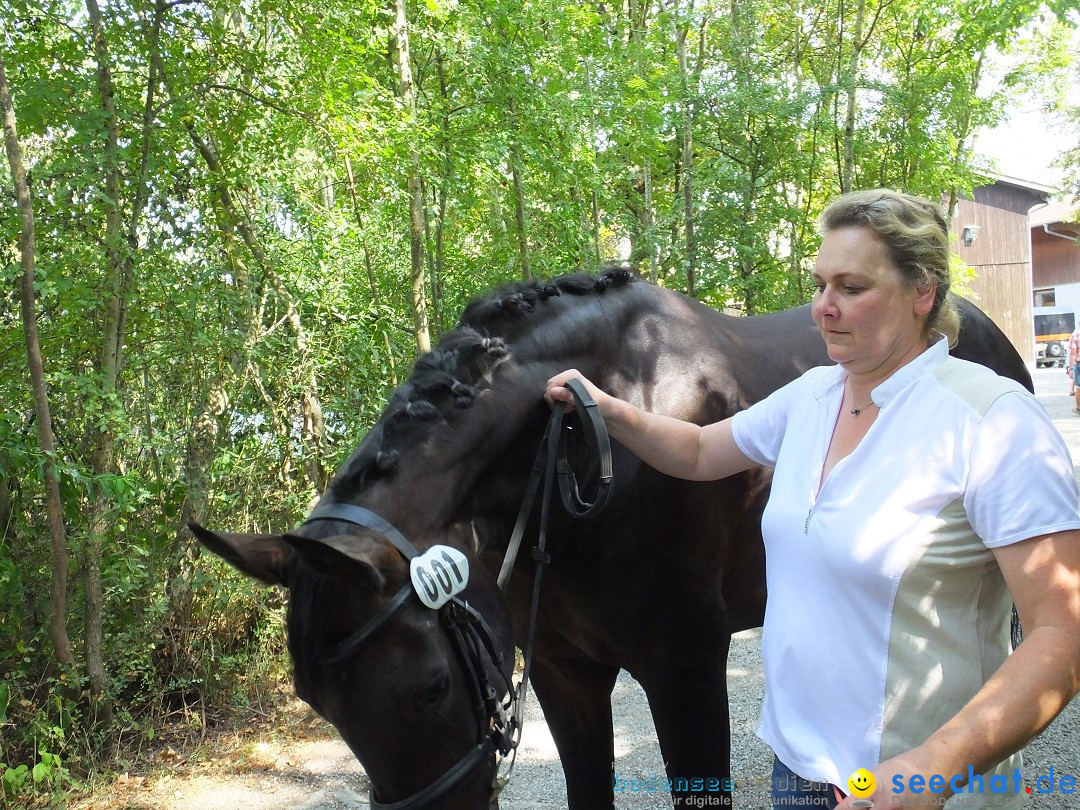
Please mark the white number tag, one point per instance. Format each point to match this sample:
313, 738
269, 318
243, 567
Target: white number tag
439, 574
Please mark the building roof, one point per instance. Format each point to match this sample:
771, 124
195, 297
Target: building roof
1055, 211
1017, 182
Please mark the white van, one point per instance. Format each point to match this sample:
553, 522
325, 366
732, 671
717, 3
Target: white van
1053, 326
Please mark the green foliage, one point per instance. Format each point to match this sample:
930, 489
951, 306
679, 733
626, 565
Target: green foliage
45, 730
12, 782
262, 202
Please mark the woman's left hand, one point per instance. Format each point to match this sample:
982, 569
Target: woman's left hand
897, 772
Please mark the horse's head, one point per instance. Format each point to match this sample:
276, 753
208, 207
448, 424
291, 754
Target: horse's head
418, 693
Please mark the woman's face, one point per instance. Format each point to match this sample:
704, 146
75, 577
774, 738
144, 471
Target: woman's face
871, 318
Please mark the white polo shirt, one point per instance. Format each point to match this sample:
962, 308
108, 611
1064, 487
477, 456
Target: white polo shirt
886, 610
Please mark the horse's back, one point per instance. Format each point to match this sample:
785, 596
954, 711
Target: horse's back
763, 352
982, 341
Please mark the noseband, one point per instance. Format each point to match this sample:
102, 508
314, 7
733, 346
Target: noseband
499, 721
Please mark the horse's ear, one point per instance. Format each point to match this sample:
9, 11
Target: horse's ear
343, 556
266, 557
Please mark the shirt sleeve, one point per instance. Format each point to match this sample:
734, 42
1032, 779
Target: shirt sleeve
759, 430
1021, 482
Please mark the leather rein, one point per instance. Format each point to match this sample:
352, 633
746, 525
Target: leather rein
499, 720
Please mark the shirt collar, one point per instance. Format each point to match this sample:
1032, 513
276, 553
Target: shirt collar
904, 376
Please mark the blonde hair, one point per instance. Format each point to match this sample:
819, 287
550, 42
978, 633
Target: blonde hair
916, 240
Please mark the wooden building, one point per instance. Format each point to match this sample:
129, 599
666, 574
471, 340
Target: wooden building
1055, 255
994, 237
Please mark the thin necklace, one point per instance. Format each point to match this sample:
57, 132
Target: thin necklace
856, 411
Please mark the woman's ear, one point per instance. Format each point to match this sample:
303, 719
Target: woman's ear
925, 296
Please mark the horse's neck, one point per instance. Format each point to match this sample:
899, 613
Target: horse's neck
468, 472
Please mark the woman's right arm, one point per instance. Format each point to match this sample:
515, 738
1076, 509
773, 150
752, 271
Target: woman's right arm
677, 448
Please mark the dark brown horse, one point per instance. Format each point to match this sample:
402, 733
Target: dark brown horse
655, 585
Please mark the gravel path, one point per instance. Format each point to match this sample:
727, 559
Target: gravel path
321, 774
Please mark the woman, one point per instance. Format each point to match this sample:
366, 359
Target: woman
899, 529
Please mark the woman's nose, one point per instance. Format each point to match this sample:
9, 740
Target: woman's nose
824, 302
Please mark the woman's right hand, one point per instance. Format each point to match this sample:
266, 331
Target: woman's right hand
558, 392
677, 448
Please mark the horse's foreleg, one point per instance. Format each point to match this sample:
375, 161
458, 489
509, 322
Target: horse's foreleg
576, 699
689, 702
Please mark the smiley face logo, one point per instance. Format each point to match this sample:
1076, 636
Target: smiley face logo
861, 783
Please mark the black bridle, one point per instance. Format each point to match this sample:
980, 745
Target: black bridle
499, 721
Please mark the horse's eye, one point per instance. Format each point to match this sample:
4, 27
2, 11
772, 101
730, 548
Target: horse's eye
435, 692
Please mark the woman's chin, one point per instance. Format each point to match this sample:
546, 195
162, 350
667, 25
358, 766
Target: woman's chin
838, 354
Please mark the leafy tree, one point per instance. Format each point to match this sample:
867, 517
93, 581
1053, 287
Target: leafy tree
42, 413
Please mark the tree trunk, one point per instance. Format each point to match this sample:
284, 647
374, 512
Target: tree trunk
638, 11
649, 221
108, 365
519, 212
432, 278
594, 197
421, 326
438, 288
119, 271
53, 506
407, 94
687, 157
120, 249
442, 195
848, 171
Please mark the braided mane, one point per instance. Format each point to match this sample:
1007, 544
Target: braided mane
452, 375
